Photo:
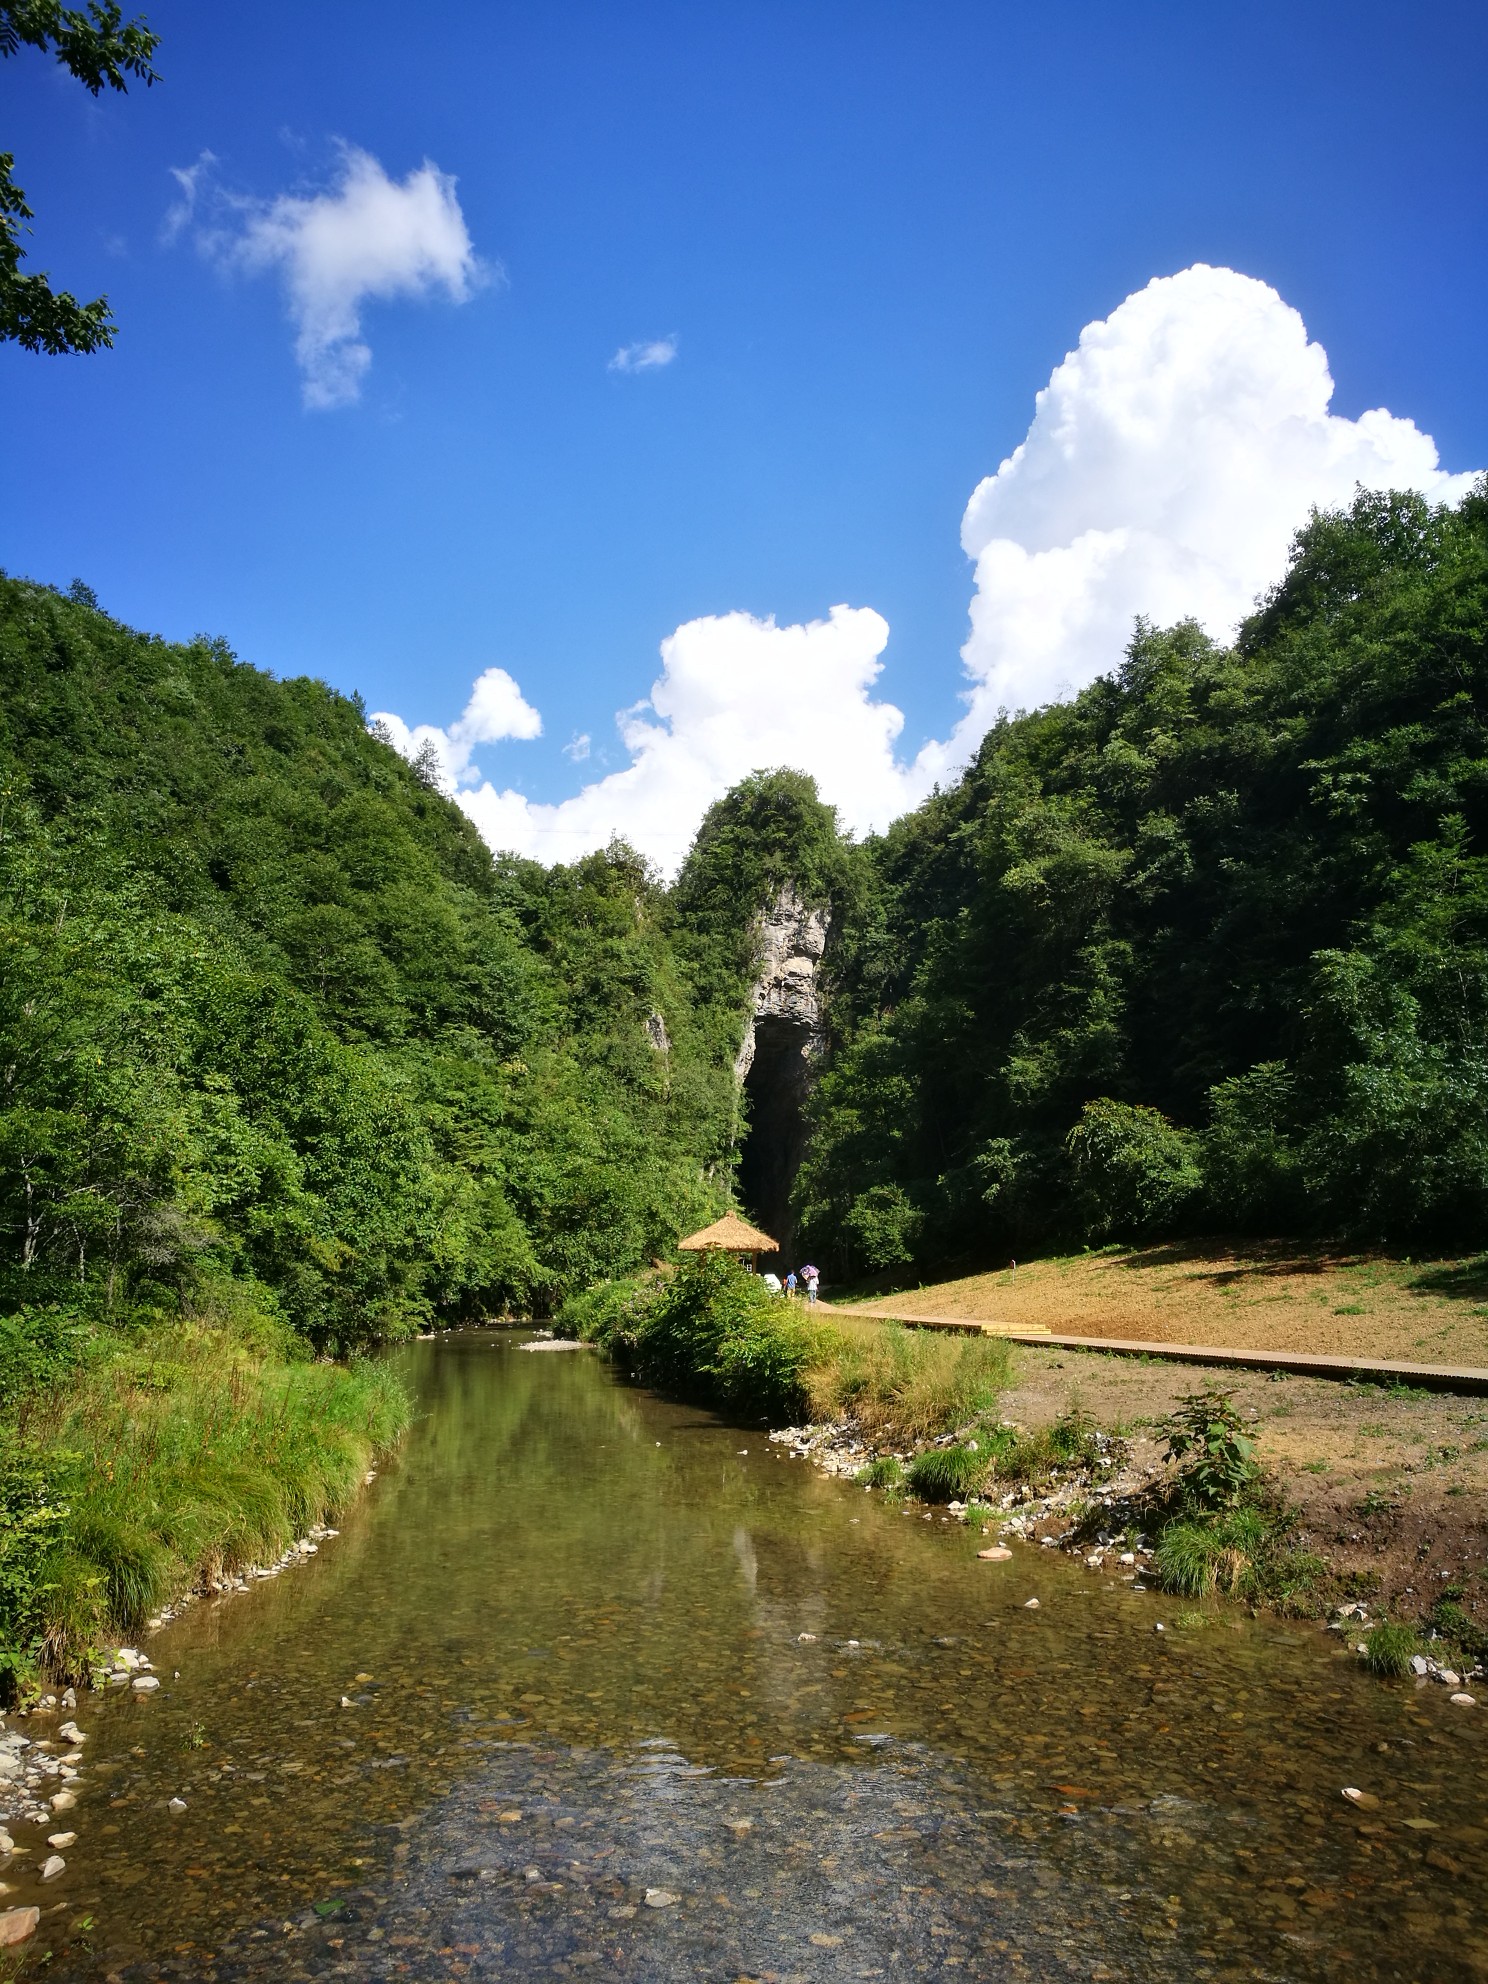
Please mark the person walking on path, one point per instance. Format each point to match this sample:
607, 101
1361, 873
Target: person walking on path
790, 1285
810, 1276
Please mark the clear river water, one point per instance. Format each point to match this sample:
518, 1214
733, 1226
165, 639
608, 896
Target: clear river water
600, 1648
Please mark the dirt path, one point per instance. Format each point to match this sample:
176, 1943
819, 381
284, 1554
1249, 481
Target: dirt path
1266, 1296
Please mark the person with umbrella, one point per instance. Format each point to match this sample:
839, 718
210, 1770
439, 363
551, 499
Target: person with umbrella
810, 1276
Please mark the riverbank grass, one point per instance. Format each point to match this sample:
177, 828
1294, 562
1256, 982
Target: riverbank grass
195, 1449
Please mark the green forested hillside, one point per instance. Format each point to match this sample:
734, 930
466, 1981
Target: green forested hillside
291, 1064
1207, 945
270, 1009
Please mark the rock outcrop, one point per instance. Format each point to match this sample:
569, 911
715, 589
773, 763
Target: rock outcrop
782, 1038
792, 940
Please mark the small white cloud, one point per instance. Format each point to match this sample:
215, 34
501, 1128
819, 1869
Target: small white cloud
496, 710
365, 238
644, 357
578, 746
182, 213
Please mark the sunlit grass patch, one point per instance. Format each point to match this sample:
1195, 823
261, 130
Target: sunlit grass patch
904, 1384
191, 1454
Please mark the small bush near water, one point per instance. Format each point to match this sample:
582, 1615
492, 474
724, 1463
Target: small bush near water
709, 1332
712, 1332
1221, 1532
949, 1474
1388, 1650
883, 1472
202, 1447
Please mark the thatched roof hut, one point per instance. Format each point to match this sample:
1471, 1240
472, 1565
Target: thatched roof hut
730, 1235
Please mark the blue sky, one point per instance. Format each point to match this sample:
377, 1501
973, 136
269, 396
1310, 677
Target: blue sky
872, 231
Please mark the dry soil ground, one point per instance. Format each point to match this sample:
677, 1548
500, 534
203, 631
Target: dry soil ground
1261, 1296
1390, 1485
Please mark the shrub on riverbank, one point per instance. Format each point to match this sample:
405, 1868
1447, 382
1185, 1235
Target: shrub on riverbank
709, 1332
1220, 1529
169, 1456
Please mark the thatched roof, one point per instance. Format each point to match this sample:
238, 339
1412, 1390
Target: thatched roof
734, 1235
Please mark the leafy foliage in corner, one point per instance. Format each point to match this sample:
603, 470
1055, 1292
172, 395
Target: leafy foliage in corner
101, 49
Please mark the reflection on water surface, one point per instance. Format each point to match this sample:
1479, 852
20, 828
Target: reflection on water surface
595, 1652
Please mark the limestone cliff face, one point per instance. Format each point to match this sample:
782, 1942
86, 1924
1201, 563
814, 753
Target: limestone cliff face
792, 940
783, 1036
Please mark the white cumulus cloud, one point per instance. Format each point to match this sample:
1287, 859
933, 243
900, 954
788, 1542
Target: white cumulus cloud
364, 238
647, 356
1170, 458
735, 695
496, 710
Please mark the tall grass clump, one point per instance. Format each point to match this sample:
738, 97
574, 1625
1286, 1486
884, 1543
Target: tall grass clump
1388, 1651
200, 1448
907, 1385
949, 1474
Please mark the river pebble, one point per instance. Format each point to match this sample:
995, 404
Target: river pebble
16, 1924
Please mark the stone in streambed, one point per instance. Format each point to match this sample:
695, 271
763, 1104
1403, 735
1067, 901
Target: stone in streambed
176, 1805
996, 1555
64, 1801
16, 1924
61, 1839
145, 1684
1366, 1800
1030, 1605
52, 1866
661, 1898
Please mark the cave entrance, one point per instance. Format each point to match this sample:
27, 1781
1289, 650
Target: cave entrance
775, 1090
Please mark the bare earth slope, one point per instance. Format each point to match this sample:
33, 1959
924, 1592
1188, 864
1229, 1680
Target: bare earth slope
1257, 1296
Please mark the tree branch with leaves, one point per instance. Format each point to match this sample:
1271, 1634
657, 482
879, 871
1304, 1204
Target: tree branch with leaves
102, 50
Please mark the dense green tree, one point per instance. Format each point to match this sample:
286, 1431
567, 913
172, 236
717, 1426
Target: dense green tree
1207, 943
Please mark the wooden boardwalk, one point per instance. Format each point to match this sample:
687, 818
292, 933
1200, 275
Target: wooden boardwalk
1369, 1370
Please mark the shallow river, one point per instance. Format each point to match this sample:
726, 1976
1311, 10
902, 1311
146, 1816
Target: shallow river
595, 1649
